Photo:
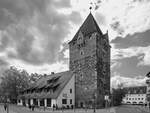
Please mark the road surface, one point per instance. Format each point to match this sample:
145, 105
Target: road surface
120, 109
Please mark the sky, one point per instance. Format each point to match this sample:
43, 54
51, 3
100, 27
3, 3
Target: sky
34, 35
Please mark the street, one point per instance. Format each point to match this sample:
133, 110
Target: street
121, 109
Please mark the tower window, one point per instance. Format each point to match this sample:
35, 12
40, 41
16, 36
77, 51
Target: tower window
81, 76
70, 90
81, 52
70, 101
90, 37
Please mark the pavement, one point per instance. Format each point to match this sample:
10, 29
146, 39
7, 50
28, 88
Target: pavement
120, 109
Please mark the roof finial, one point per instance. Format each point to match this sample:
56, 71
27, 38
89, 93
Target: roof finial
90, 8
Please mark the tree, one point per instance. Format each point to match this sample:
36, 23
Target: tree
117, 96
34, 77
12, 82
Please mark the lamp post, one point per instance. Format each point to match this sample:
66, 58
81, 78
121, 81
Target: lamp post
106, 101
7, 102
94, 110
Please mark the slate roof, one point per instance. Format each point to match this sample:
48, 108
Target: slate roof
53, 80
89, 26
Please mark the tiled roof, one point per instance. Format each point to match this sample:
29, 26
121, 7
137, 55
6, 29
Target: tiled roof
89, 26
136, 90
58, 80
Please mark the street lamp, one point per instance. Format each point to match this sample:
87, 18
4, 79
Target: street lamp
106, 101
7, 101
94, 103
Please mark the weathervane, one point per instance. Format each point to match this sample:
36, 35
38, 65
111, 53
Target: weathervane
90, 6
94, 5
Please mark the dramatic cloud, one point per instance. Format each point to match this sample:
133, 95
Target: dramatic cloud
136, 40
143, 54
127, 81
126, 17
34, 29
34, 34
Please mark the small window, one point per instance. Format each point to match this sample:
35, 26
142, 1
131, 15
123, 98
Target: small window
70, 101
81, 77
81, 52
64, 101
70, 90
90, 37
138, 98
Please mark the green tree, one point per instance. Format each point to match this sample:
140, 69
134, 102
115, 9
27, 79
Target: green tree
12, 82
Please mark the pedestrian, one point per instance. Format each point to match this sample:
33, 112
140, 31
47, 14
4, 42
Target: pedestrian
30, 106
56, 107
5, 106
53, 107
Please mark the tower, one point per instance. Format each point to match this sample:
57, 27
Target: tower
90, 63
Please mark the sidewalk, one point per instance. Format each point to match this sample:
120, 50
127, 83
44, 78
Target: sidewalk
21, 109
145, 109
109, 110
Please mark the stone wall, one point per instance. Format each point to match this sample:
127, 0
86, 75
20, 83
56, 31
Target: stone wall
87, 62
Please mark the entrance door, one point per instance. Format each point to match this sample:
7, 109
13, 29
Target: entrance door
81, 104
49, 102
35, 102
29, 102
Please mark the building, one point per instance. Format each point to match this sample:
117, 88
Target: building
90, 63
55, 89
89, 70
135, 95
148, 89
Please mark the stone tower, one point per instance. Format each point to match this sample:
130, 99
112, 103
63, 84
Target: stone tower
90, 63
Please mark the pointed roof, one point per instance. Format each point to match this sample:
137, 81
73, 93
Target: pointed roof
88, 26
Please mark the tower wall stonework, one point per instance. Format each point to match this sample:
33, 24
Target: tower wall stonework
90, 63
103, 68
84, 67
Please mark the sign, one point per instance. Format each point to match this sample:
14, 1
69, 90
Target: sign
106, 97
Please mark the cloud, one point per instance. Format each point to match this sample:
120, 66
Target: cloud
35, 29
127, 81
3, 65
136, 40
127, 17
144, 59
115, 64
142, 53
41, 69
2, 62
